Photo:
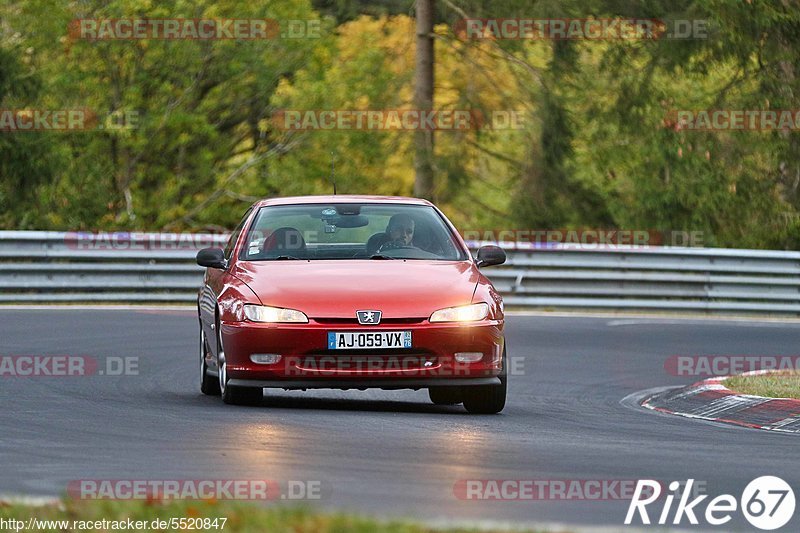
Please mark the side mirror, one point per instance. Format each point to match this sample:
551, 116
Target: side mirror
212, 258
490, 255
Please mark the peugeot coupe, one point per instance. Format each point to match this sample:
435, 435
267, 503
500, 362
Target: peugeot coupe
351, 292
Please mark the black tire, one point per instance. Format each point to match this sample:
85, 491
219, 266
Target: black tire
446, 395
242, 395
488, 399
209, 385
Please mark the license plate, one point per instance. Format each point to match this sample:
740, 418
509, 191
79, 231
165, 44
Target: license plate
368, 340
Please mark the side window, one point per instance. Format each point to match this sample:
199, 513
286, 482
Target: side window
235, 235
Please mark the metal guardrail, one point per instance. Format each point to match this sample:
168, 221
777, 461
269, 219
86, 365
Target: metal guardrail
42, 267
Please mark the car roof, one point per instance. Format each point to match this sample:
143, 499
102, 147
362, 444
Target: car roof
341, 199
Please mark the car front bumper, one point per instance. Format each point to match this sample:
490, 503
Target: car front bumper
306, 362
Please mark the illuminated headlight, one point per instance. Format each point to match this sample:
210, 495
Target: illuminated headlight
264, 313
464, 313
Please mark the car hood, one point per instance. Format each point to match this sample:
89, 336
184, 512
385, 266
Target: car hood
337, 289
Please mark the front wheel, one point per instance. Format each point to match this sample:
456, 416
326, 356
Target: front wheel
232, 394
242, 395
446, 395
209, 385
488, 399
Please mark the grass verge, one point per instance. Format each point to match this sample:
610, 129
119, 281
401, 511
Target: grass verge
70, 516
783, 384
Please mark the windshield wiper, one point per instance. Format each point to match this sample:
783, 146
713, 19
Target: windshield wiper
382, 256
286, 258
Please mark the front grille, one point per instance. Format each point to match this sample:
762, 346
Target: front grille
354, 321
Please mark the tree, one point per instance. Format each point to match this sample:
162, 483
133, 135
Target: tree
423, 101
198, 108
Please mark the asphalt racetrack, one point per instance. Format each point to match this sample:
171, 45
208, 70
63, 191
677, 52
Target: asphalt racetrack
388, 453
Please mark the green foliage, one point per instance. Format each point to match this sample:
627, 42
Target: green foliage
27, 160
597, 147
193, 106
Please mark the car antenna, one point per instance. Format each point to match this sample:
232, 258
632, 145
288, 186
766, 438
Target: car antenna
333, 171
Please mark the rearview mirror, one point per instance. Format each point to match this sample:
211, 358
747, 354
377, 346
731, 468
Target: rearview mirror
347, 221
490, 255
212, 258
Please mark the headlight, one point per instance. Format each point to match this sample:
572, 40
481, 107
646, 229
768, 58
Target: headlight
265, 313
464, 313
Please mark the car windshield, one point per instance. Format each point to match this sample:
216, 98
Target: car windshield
350, 231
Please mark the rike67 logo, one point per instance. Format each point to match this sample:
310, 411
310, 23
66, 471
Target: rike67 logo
767, 503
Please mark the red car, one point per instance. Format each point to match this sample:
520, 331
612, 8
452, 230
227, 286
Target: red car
351, 292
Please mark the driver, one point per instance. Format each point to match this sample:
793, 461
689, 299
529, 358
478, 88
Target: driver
400, 231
